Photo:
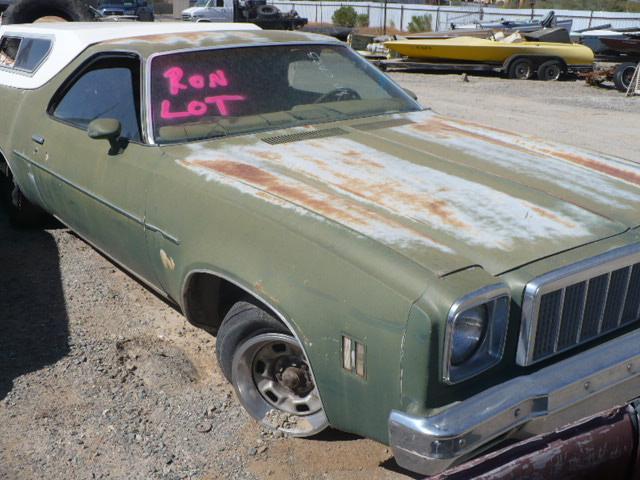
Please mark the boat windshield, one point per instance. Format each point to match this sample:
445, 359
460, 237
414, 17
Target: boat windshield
217, 92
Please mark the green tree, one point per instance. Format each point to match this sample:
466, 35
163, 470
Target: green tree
420, 24
345, 16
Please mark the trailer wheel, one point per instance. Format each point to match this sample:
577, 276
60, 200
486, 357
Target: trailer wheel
622, 76
550, 70
521, 69
28, 11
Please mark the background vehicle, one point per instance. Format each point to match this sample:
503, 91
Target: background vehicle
28, 11
139, 9
268, 17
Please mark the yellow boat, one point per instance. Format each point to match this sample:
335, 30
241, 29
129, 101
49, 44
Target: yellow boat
480, 50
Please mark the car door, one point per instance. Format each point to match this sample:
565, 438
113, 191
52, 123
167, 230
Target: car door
97, 190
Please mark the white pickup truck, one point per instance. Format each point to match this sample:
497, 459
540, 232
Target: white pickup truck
253, 11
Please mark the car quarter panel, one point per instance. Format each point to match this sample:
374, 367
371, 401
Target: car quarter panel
14, 138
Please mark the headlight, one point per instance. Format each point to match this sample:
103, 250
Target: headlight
475, 333
468, 332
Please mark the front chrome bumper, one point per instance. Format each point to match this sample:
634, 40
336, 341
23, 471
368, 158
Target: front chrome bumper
595, 380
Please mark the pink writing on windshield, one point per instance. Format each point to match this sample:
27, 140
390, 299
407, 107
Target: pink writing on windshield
176, 74
196, 108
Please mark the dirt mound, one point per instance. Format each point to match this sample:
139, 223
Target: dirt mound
158, 363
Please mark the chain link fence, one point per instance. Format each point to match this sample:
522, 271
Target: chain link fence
399, 15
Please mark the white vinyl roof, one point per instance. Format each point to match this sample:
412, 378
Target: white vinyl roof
72, 38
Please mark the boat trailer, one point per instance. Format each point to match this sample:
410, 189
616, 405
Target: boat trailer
518, 67
622, 73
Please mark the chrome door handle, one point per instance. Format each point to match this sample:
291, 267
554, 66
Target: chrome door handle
38, 139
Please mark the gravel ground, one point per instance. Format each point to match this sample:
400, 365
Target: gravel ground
571, 112
101, 379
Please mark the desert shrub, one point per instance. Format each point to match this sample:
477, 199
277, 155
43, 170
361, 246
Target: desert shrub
420, 24
345, 16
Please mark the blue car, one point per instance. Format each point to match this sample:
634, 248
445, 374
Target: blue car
136, 8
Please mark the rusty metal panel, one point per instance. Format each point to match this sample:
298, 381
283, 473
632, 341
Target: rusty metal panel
603, 446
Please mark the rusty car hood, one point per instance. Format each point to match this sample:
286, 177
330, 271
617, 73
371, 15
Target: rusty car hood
447, 194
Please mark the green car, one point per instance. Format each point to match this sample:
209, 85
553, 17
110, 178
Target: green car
365, 264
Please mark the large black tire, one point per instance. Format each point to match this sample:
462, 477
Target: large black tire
243, 321
28, 11
22, 213
521, 69
550, 70
623, 75
145, 14
267, 11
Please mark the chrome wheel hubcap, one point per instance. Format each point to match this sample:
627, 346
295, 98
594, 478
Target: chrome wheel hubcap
270, 373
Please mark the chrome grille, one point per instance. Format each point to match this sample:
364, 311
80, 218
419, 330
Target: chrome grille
579, 302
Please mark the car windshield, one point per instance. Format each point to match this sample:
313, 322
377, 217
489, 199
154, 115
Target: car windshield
212, 93
201, 3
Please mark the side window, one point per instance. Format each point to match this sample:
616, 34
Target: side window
24, 54
220, 3
108, 90
9, 47
32, 52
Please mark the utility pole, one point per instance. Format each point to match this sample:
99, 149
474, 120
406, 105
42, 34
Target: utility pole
533, 5
384, 26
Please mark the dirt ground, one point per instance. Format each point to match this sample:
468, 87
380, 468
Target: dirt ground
101, 379
598, 118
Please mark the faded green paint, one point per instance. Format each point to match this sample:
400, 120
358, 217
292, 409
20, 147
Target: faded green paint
373, 233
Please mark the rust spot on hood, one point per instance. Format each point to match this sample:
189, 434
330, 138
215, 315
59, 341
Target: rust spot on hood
378, 191
596, 165
272, 184
437, 126
513, 141
347, 212
552, 216
271, 156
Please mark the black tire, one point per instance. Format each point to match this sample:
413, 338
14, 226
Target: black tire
22, 213
623, 75
28, 11
145, 14
550, 70
521, 69
243, 321
267, 11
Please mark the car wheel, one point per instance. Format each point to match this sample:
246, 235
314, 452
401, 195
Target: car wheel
28, 11
521, 69
623, 75
550, 70
269, 371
